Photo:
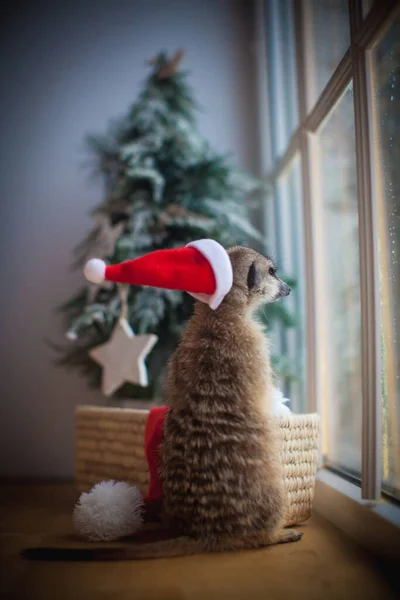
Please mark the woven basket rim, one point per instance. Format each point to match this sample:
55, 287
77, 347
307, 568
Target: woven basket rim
289, 418
299, 417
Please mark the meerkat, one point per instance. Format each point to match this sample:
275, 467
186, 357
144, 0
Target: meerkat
220, 460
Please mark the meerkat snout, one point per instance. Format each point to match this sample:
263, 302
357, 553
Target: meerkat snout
255, 279
285, 289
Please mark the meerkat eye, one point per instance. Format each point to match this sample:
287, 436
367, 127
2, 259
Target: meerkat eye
272, 272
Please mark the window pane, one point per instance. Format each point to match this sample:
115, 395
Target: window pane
282, 85
327, 31
289, 255
385, 76
340, 362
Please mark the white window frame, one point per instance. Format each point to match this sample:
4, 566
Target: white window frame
363, 35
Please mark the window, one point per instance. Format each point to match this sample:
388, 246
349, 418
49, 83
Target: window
384, 67
337, 246
284, 214
289, 253
327, 32
333, 221
282, 74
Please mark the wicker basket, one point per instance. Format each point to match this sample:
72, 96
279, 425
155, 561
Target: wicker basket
110, 445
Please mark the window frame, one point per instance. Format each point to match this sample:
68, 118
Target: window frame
364, 33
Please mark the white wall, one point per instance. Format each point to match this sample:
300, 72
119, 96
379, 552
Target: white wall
66, 70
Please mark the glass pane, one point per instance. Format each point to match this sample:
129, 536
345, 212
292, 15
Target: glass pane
327, 31
290, 258
339, 302
282, 84
385, 78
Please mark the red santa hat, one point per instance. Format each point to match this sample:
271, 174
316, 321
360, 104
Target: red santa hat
201, 268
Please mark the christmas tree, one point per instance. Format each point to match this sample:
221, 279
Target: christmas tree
164, 187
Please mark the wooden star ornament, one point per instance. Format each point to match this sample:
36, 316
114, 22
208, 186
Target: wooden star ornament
122, 357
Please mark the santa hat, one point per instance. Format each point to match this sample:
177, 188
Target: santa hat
201, 268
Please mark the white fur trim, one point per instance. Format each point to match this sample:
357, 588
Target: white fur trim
111, 510
95, 270
279, 403
218, 258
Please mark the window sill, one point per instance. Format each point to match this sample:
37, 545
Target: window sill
374, 525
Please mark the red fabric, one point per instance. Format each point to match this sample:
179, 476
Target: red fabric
152, 439
184, 269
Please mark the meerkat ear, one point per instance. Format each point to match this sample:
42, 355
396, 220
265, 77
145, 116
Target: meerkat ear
253, 276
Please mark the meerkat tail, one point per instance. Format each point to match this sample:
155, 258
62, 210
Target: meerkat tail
182, 546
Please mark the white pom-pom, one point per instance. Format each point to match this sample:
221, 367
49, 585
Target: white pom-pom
95, 270
111, 510
279, 401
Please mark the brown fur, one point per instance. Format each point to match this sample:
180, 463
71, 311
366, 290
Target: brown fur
221, 470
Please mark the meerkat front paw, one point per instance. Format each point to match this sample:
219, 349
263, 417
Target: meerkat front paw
289, 535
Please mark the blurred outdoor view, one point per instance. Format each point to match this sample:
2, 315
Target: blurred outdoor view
385, 75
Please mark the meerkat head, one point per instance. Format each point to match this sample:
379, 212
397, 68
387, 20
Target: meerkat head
255, 280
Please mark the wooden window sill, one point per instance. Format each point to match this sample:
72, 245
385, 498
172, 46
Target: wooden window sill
373, 525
